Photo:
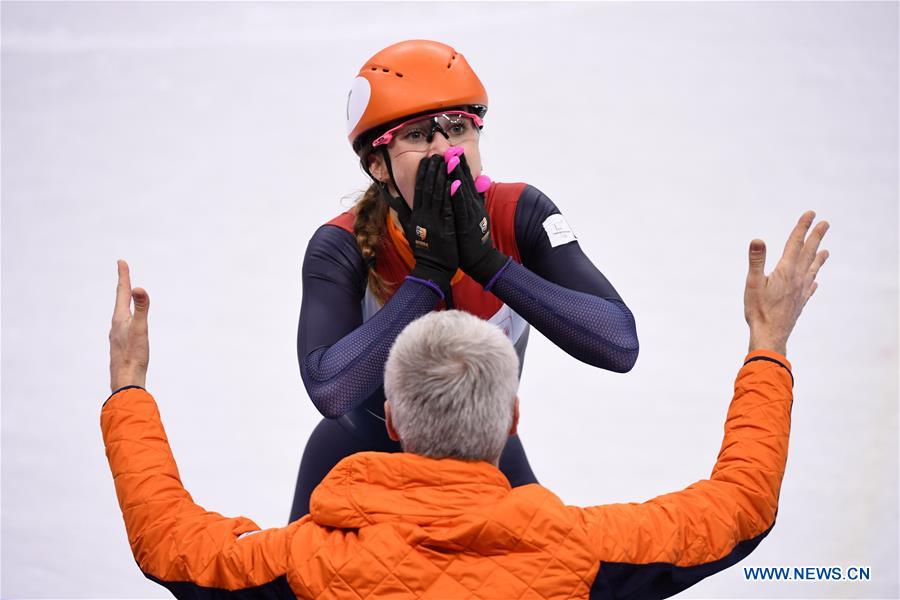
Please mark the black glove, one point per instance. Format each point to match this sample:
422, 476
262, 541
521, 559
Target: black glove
477, 255
430, 230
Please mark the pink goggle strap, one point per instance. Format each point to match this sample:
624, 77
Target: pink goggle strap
388, 135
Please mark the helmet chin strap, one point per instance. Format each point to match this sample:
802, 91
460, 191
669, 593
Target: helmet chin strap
395, 202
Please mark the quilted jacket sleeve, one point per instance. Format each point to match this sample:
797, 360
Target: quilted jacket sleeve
192, 552
660, 547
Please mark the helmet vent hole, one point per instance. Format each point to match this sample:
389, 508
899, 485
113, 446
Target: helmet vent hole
399, 74
386, 70
374, 68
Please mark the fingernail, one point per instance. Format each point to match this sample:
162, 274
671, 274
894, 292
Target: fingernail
452, 164
455, 186
482, 183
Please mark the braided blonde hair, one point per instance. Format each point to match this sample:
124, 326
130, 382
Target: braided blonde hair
369, 231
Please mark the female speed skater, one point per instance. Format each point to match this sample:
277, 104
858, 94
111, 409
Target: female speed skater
433, 231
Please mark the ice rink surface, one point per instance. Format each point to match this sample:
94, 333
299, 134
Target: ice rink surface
204, 143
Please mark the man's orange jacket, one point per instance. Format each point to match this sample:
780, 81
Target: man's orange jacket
405, 526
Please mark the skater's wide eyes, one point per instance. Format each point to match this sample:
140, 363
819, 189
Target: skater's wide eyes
414, 135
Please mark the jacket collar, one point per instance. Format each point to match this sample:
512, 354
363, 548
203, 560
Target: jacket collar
369, 488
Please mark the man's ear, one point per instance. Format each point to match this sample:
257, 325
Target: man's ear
515, 420
377, 167
389, 422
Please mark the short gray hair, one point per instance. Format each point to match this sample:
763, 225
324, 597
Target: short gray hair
451, 381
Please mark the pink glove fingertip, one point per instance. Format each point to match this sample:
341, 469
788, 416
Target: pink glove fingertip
482, 183
452, 164
452, 151
455, 186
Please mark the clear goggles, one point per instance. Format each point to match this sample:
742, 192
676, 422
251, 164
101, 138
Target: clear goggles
416, 134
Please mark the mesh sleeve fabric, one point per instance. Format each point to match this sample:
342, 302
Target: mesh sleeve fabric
594, 330
341, 358
562, 293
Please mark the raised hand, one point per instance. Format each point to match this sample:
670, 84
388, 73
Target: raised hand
477, 255
129, 345
430, 230
773, 303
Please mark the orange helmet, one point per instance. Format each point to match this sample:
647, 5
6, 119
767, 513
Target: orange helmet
408, 78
